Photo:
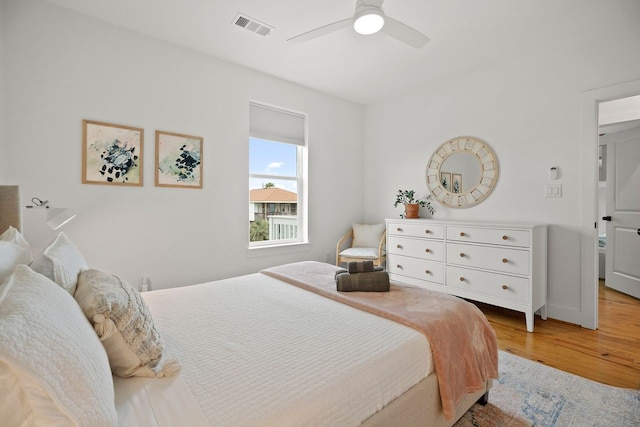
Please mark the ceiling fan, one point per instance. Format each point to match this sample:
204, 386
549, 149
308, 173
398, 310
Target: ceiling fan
369, 18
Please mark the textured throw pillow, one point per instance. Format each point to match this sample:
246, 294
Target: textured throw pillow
53, 369
61, 262
124, 325
14, 250
367, 235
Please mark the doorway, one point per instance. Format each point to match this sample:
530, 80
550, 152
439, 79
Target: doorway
618, 195
591, 101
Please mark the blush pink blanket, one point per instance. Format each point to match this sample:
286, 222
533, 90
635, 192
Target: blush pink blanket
464, 345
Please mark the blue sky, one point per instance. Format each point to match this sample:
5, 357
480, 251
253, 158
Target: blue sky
272, 158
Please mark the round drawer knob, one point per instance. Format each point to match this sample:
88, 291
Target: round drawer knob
427, 231
505, 287
399, 266
427, 272
461, 255
504, 260
399, 246
462, 234
462, 279
398, 229
427, 250
505, 237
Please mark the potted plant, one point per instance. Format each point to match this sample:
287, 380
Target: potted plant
411, 204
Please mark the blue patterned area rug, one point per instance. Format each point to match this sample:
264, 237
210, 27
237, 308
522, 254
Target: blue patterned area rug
532, 394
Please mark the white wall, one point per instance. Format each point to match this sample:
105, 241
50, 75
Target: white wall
3, 157
62, 67
528, 109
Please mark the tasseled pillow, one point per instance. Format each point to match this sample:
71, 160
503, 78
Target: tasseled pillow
123, 323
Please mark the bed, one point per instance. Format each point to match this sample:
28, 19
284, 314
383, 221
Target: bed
278, 347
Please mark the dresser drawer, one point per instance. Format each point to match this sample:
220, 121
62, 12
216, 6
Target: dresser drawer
494, 236
490, 284
507, 260
416, 268
417, 248
418, 229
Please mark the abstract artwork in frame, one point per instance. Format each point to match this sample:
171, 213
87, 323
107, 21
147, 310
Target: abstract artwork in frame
456, 183
111, 154
445, 180
178, 160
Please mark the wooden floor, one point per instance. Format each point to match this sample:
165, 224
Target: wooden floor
610, 355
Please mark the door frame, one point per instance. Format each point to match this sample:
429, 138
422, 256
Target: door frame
589, 192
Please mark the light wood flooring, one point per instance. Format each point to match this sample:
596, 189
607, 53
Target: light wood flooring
610, 355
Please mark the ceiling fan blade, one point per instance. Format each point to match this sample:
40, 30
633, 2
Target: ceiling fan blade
404, 33
321, 31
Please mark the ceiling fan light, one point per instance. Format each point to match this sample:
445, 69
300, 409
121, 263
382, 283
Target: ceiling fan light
368, 21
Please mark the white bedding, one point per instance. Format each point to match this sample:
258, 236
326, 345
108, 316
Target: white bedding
257, 351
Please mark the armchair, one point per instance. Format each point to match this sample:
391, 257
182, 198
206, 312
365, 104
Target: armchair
363, 242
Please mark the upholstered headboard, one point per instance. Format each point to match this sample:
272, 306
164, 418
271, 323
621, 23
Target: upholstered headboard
10, 207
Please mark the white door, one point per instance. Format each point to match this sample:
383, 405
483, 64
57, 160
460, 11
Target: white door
623, 213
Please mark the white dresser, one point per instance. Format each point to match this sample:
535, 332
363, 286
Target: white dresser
499, 264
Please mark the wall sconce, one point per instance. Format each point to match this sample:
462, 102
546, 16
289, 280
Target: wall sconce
56, 217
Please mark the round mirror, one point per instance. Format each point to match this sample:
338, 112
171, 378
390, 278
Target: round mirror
462, 172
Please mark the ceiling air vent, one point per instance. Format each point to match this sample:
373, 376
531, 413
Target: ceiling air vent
252, 25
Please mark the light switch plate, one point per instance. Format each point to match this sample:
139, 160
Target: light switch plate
553, 190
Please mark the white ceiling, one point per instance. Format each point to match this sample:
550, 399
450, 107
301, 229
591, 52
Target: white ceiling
464, 34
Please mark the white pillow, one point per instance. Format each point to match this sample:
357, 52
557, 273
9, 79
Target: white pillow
61, 262
367, 235
51, 362
123, 323
14, 250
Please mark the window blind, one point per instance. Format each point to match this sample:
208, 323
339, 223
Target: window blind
275, 125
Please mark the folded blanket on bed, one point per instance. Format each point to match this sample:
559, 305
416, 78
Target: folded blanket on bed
362, 267
463, 343
374, 281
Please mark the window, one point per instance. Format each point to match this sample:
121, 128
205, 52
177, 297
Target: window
276, 177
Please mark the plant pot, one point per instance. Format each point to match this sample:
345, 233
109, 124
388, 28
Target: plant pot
411, 210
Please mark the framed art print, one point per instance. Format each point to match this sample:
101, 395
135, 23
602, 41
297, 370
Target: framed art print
456, 183
445, 180
178, 160
111, 154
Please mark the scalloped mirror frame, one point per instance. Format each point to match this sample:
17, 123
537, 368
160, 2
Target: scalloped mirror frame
488, 177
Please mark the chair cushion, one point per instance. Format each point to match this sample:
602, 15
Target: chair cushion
360, 253
367, 235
